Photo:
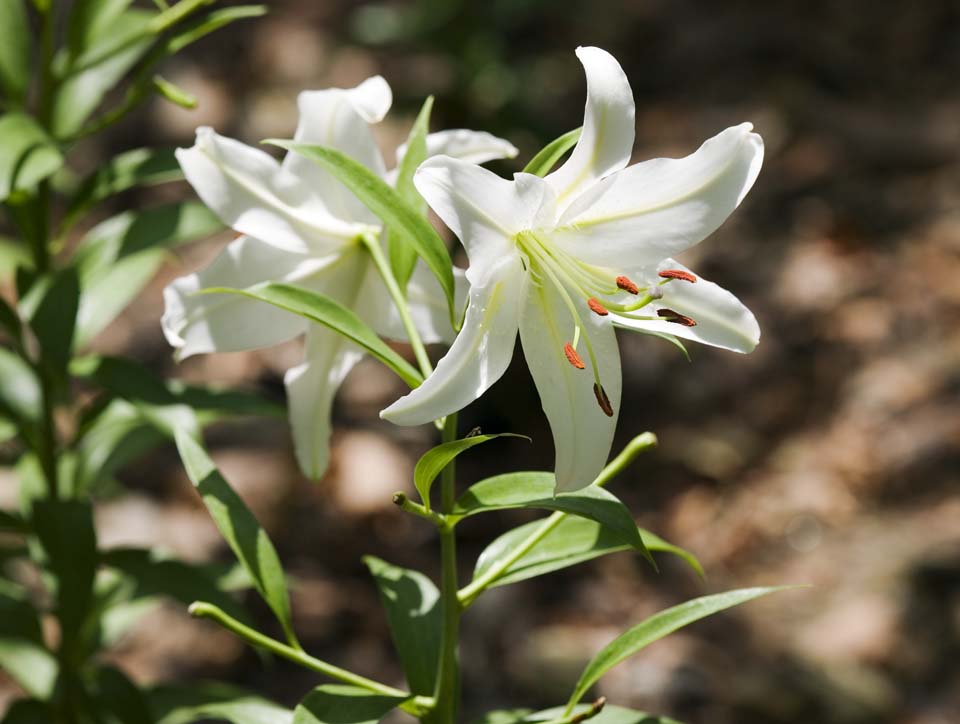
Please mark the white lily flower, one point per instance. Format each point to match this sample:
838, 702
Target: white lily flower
299, 225
565, 258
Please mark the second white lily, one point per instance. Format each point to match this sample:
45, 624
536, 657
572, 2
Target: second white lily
300, 225
565, 258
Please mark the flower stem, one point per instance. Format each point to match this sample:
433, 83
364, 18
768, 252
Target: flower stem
468, 594
417, 706
372, 243
448, 677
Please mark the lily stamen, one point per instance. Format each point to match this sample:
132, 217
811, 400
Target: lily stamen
624, 283
677, 318
602, 399
572, 356
678, 274
596, 307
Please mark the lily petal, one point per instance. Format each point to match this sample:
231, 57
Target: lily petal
339, 118
480, 354
467, 145
311, 388
252, 193
582, 432
658, 208
198, 323
606, 141
428, 305
722, 319
482, 209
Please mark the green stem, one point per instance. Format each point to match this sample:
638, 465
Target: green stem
468, 594
405, 504
448, 677
417, 705
380, 260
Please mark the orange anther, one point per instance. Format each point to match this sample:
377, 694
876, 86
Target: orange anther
596, 307
678, 274
626, 285
676, 317
572, 356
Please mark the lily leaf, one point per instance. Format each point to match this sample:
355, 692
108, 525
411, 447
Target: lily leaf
536, 490
27, 155
20, 395
330, 313
54, 319
390, 207
573, 541
432, 462
206, 701
240, 529
655, 628
403, 256
15, 49
412, 604
138, 167
547, 157
340, 704
608, 715
22, 652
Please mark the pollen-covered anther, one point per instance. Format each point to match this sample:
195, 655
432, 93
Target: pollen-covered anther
572, 356
602, 399
677, 318
626, 285
596, 307
678, 274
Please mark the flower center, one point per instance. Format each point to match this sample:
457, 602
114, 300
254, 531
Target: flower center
587, 288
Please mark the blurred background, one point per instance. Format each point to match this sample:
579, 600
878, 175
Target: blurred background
830, 456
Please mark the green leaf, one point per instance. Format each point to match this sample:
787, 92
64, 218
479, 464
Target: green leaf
328, 312
54, 319
90, 20
608, 715
117, 699
535, 490
20, 395
12, 523
114, 50
27, 154
390, 207
118, 257
412, 604
15, 50
547, 157
403, 256
138, 167
10, 321
504, 716
573, 541
65, 530
154, 575
432, 462
22, 652
655, 628
340, 704
205, 701
240, 529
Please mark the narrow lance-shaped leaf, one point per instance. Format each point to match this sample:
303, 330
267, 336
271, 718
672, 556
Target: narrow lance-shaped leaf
403, 256
608, 715
655, 628
240, 529
330, 313
536, 490
412, 604
206, 701
138, 167
340, 704
15, 50
54, 319
432, 462
547, 157
574, 540
20, 396
390, 207
66, 532
27, 154
22, 652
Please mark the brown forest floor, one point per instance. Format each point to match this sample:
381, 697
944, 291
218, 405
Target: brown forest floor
831, 456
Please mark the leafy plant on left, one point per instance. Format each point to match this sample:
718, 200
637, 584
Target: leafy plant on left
70, 420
